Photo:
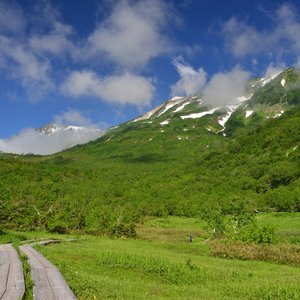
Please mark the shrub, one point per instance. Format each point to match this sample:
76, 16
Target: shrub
256, 234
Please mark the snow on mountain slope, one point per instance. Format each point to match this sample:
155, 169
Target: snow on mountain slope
199, 115
182, 106
171, 103
148, 114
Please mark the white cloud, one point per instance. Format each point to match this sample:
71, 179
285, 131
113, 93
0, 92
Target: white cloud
12, 18
81, 83
21, 64
224, 88
72, 117
53, 43
32, 141
30, 42
242, 39
191, 81
283, 38
56, 36
124, 89
133, 33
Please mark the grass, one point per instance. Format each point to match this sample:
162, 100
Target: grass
170, 267
103, 268
27, 276
171, 229
162, 264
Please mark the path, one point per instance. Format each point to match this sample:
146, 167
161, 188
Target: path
49, 284
12, 285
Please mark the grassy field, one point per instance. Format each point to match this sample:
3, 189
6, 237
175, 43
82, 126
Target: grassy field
161, 264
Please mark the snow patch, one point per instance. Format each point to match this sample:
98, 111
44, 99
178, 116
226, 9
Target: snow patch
282, 82
181, 107
231, 109
200, 115
248, 113
180, 138
148, 114
278, 114
224, 119
169, 106
176, 98
166, 122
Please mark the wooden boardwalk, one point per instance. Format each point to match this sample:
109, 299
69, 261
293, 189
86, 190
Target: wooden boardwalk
49, 284
12, 285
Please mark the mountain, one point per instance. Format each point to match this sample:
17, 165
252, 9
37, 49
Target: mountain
264, 98
182, 158
49, 139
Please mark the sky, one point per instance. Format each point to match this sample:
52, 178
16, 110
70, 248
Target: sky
100, 63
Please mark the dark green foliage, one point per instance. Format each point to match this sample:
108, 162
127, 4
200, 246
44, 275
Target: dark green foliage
258, 234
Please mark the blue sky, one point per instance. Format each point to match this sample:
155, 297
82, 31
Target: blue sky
100, 63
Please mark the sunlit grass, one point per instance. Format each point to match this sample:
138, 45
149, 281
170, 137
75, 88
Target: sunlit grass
168, 267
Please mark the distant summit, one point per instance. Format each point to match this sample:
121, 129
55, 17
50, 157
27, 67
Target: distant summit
49, 139
52, 128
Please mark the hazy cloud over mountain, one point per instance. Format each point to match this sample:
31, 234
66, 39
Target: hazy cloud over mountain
191, 81
224, 88
32, 141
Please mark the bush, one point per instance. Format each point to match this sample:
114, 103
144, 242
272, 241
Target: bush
123, 230
256, 234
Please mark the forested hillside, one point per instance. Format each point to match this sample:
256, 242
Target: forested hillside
148, 169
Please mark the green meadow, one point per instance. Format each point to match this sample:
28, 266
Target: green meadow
161, 263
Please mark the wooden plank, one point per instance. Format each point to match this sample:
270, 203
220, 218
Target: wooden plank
12, 286
4, 269
49, 284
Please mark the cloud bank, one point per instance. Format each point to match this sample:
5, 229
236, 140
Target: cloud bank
35, 142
